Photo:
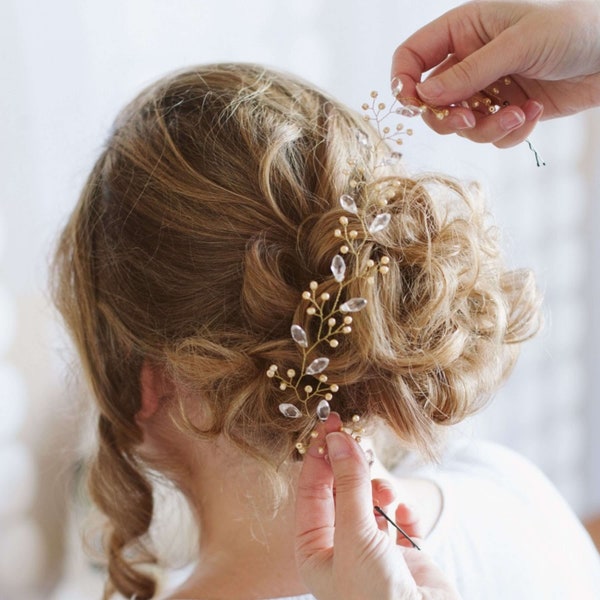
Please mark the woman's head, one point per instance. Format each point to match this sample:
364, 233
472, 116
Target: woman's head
208, 212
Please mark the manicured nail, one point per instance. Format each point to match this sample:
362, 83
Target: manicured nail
338, 445
511, 120
533, 109
461, 121
411, 509
386, 485
383, 489
430, 89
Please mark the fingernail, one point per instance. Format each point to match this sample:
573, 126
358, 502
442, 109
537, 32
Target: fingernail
411, 509
338, 445
533, 110
430, 89
511, 120
461, 121
386, 485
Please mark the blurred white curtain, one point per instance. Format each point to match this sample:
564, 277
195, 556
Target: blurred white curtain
67, 66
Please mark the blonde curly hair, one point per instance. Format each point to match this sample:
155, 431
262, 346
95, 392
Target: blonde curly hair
209, 210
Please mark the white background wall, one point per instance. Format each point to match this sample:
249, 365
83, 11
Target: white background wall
67, 66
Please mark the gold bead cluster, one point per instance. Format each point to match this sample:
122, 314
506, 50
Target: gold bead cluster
489, 100
378, 113
354, 429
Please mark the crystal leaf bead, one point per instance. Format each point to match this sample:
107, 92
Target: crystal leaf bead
361, 137
317, 366
299, 336
396, 86
289, 410
338, 268
353, 305
380, 222
347, 203
410, 111
323, 410
392, 159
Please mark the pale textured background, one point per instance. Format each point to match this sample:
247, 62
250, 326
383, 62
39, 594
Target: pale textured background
67, 66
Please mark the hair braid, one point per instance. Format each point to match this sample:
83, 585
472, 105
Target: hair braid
124, 495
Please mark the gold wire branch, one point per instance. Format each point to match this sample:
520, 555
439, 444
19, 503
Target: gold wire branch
312, 390
333, 314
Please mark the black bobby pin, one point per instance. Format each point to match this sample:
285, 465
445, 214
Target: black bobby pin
380, 511
538, 159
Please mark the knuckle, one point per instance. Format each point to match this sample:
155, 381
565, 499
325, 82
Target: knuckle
346, 482
314, 491
463, 73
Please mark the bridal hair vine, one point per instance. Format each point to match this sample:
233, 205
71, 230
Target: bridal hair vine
330, 313
333, 317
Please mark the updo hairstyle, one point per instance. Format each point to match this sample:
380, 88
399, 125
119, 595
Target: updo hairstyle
210, 209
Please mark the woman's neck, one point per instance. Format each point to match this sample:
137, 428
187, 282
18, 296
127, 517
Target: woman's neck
246, 548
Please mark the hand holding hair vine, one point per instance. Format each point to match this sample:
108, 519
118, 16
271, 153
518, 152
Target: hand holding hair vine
487, 101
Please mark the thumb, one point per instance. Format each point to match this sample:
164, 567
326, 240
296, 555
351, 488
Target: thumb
475, 72
353, 491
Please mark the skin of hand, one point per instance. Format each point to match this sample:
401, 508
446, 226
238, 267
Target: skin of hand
550, 50
342, 549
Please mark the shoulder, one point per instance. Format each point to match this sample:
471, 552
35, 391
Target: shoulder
491, 461
502, 506
487, 465
482, 461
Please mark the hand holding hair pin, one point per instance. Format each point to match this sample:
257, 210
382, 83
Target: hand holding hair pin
333, 529
555, 67
476, 113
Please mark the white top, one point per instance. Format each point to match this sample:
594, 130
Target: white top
504, 532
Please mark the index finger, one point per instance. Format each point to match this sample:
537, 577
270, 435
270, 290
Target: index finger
423, 50
484, 44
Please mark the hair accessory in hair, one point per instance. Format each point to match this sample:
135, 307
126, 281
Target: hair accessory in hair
331, 313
